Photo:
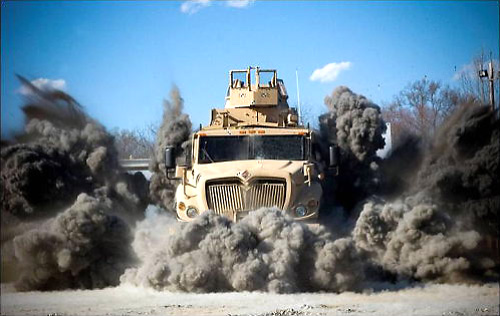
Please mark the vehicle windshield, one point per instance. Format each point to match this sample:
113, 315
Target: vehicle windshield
227, 148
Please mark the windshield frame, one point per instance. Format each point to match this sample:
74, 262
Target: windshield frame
235, 77
248, 143
244, 79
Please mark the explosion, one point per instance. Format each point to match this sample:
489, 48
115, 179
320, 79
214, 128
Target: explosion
62, 193
440, 227
175, 131
356, 126
415, 235
82, 247
72, 218
263, 252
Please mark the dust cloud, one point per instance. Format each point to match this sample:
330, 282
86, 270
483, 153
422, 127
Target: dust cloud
355, 125
444, 227
82, 247
63, 194
265, 251
75, 220
61, 153
175, 130
429, 232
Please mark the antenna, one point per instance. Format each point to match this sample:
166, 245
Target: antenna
298, 95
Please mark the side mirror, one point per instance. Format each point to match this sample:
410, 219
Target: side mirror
169, 157
333, 152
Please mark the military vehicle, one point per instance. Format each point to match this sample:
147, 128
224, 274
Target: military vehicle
254, 153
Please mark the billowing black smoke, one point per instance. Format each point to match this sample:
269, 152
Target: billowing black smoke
82, 247
355, 125
61, 154
423, 213
444, 226
175, 131
461, 169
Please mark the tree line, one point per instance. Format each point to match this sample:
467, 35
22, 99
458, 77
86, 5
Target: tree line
424, 104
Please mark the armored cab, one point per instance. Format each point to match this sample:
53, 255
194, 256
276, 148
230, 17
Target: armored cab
253, 154
259, 103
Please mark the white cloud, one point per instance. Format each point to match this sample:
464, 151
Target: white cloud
45, 85
193, 6
239, 3
330, 72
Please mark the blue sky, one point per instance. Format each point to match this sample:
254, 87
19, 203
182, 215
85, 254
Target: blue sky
120, 59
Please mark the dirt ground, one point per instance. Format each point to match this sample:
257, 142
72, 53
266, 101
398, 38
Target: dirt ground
442, 300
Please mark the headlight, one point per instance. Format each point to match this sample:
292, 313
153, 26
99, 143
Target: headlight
181, 206
312, 204
300, 211
192, 212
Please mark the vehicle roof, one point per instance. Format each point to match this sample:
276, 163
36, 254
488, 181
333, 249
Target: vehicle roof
256, 130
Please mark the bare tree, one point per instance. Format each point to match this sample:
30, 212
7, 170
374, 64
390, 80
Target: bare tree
401, 119
137, 143
421, 107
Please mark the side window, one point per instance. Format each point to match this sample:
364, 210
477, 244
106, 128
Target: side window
239, 79
266, 78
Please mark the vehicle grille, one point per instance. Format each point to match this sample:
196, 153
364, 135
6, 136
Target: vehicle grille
232, 196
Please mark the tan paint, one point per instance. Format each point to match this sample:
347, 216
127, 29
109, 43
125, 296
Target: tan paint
254, 109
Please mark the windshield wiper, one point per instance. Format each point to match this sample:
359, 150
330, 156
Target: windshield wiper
206, 153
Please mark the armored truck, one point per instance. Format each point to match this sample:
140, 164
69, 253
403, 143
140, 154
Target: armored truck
254, 153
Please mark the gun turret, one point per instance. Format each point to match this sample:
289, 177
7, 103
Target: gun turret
255, 97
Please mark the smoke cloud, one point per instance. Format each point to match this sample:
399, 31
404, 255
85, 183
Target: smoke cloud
67, 207
462, 165
263, 252
416, 242
405, 224
175, 131
355, 125
442, 228
82, 247
61, 155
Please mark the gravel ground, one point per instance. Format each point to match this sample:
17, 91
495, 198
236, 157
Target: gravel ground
442, 300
